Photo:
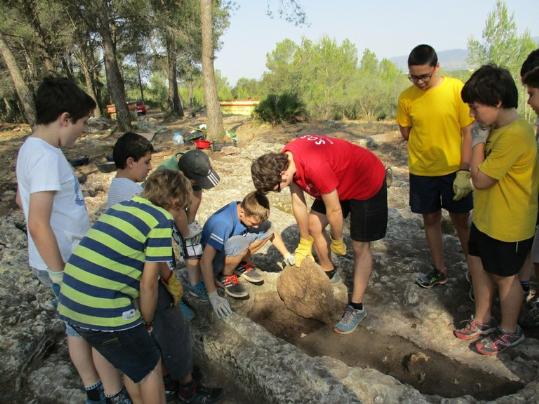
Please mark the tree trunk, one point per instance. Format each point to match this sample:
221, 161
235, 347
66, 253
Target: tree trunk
176, 108
21, 88
139, 77
216, 130
114, 77
88, 80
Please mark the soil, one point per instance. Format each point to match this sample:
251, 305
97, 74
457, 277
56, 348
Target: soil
428, 371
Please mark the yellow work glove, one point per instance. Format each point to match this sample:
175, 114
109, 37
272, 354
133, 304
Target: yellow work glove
173, 286
303, 250
462, 185
337, 246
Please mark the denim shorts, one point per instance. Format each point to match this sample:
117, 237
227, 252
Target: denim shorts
43, 277
238, 245
132, 351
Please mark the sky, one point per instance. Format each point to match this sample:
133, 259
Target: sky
387, 27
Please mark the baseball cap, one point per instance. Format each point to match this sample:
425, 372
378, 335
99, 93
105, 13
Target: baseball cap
196, 166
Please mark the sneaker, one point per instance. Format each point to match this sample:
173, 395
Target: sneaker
249, 272
194, 393
499, 341
187, 312
431, 279
199, 291
350, 320
232, 286
474, 329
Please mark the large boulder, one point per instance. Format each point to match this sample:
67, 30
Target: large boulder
308, 292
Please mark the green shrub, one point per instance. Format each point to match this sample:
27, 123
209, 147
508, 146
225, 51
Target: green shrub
278, 108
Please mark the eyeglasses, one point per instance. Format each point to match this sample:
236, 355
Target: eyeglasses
425, 78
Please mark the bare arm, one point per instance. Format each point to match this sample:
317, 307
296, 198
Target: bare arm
39, 225
148, 289
466, 147
278, 242
334, 214
206, 267
479, 179
299, 208
195, 204
405, 132
180, 220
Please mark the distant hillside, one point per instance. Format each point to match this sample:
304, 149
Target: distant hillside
452, 59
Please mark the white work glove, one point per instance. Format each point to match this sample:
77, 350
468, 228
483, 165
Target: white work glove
194, 229
290, 260
56, 277
220, 305
479, 134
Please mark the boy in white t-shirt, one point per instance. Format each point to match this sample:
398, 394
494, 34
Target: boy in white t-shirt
132, 154
55, 212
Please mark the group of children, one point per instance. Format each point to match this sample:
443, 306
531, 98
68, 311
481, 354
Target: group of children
461, 135
126, 321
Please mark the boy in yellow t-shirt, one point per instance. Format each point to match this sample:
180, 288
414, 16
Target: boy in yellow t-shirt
435, 122
504, 174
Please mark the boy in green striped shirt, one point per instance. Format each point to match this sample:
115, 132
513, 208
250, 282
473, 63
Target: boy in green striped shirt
109, 291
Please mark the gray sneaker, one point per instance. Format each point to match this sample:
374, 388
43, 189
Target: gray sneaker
232, 286
350, 320
431, 279
250, 272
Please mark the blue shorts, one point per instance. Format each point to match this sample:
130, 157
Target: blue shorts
430, 194
132, 351
238, 245
43, 277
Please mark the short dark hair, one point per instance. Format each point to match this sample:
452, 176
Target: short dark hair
423, 55
266, 171
130, 145
57, 95
490, 85
531, 79
531, 62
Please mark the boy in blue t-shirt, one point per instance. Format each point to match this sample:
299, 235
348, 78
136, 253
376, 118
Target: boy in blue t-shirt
230, 236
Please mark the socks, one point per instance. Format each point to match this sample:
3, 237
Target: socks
525, 286
356, 306
119, 398
95, 392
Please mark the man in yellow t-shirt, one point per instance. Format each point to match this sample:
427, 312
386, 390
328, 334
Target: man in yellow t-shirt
504, 174
436, 123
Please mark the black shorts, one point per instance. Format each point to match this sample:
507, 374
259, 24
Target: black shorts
368, 221
430, 194
498, 257
132, 351
172, 334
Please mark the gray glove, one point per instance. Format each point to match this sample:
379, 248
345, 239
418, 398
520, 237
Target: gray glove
194, 229
290, 260
220, 305
479, 134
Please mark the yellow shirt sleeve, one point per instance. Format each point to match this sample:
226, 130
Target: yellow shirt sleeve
403, 115
503, 155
